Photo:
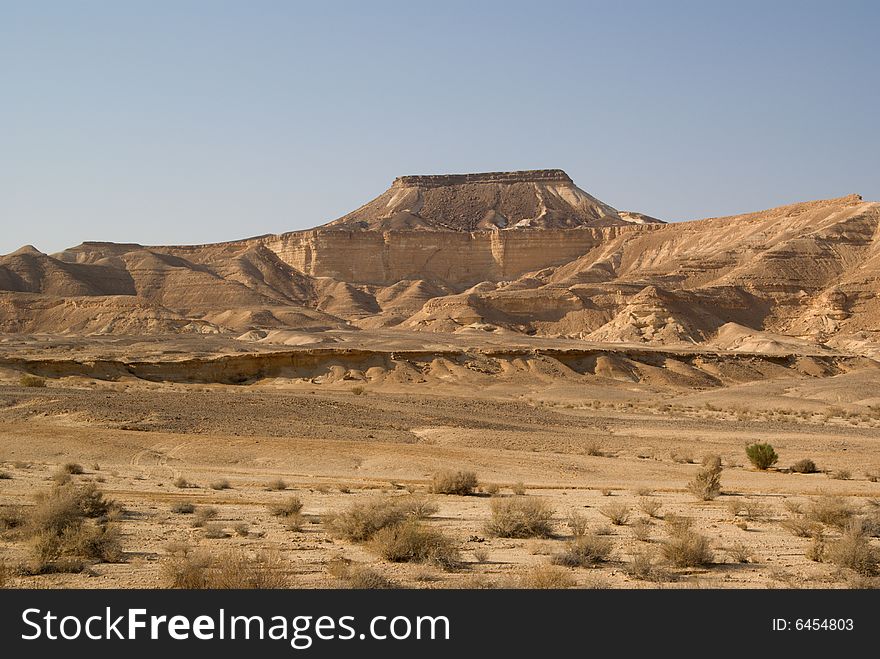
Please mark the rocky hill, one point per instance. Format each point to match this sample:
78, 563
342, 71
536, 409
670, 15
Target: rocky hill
519, 252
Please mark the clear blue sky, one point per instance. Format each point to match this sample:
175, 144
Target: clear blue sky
182, 121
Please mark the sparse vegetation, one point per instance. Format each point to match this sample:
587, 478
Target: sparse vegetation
492, 489
761, 455
706, 485
841, 474
740, 553
854, 551
203, 514
519, 489
28, 380
617, 514
801, 527
214, 531
236, 569
289, 507
363, 519
641, 530
644, 566
521, 517
220, 484
413, 542
181, 483
183, 508
277, 484
584, 551
804, 466
577, 523
72, 468
546, 577
677, 524
829, 510
688, 549
650, 506
461, 483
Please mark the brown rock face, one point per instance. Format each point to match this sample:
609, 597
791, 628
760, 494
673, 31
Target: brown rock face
525, 252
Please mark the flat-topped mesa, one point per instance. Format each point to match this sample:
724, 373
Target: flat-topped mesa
525, 176
488, 201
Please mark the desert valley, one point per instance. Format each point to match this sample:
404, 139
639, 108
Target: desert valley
473, 381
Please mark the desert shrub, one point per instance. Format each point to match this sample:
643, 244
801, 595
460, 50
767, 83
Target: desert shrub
606, 492
641, 530
413, 542
363, 519
756, 510
5, 476
366, 578
678, 524
203, 514
11, 517
644, 566
187, 570
801, 527
711, 461
643, 492
793, 506
872, 475
358, 390
829, 510
73, 468
481, 555
817, 549
855, 552
706, 485
215, 530
585, 551
287, 508
617, 514
519, 489
841, 474
521, 517
577, 523
739, 553
242, 528
546, 577
417, 507
805, 466
761, 455
238, 570
183, 508
454, 482
688, 549
278, 484
650, 506
492, 489
31, 381
220, 484
181, 482
294, 522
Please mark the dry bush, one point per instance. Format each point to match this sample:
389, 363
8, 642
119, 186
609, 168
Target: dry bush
829, 510
841, 474
358, 390
294, 522
220, 484
413, 542
417, 507
603, 529
596, 450
518, 489
817, 549
643, 492
800, 527
577, 523
644, 566
238, 570
203, 514
481, 555
287, 508
242, 528
688, 549
650, 506
183, 508
363, 519
872, 475
739, 553
181, 482
617, 514
682, 458
187, 570
366, 578
761, 455
606, 492
31, 381
492, 489
585, 551
461, 483
805, 466
11, 517
793, 506
5, 476
278, 484
712, 461
72, 468
641, 530
215, 531
706, 485
756, 510
678, 524
546, 577
521, 517
854, 551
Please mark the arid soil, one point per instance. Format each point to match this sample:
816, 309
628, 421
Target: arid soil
583, 442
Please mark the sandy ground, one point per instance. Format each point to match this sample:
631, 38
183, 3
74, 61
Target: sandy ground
337, 444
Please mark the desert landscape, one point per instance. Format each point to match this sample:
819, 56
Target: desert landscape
486, 380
